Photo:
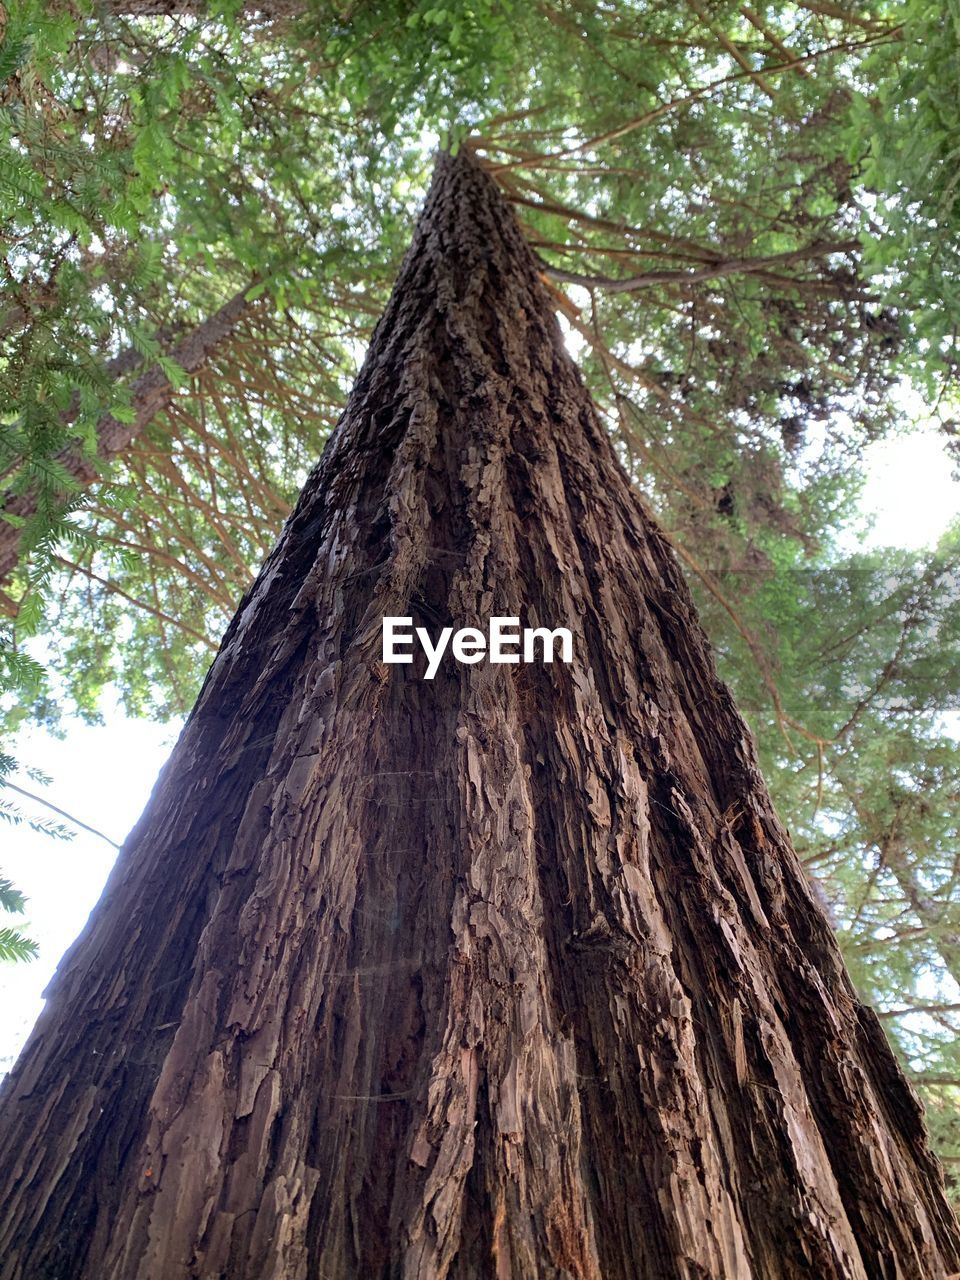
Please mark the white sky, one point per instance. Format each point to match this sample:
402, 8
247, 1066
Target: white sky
103, 775
910, 497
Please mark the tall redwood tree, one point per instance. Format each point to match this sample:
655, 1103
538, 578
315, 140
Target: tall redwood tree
511, 973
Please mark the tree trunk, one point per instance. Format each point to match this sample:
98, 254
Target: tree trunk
509, 973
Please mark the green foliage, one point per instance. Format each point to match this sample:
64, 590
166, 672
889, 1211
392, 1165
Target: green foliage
754, 217
445, 61
292, 155
862, 753
14, 945
905, 131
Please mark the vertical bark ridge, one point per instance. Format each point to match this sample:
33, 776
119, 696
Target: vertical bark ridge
510, 973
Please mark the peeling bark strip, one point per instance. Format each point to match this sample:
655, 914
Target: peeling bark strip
511, 973
151, 393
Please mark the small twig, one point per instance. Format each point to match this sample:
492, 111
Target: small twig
56, 809
917, 1008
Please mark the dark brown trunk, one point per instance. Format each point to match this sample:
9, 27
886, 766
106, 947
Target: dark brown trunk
511, 973
150, 394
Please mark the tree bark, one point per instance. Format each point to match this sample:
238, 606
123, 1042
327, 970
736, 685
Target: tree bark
151, 393
511, 973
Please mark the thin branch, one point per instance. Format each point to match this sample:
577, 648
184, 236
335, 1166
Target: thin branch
772, 38
784, 721
917, 1008
76, 822
733, 266
151, 392
687, 99
737, 54
139, 604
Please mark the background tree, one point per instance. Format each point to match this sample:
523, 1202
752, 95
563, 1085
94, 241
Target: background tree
516, 965
732, 210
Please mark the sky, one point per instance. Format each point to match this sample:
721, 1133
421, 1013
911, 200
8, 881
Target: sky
103, 774
910, 496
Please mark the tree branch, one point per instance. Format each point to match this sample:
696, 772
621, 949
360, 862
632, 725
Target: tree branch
30, 795
151, 393
733, 266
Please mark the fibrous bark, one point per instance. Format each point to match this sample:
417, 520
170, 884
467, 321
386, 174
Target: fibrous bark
510, 973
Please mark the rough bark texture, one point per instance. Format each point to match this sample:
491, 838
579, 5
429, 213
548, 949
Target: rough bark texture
512, 973
151, 393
